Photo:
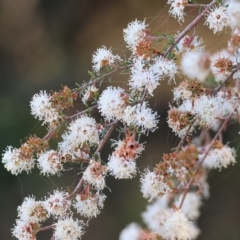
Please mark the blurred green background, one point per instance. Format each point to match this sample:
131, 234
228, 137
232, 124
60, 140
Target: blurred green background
46, 43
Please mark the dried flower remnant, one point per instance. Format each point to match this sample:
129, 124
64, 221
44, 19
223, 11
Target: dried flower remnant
63, 99
122, 162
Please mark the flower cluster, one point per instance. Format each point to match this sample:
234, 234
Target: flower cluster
204, 102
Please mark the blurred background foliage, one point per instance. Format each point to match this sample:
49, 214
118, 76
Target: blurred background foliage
48, 43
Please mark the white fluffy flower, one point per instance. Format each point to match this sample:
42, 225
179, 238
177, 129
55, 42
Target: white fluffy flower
181, 92
16, 162
68, 229
32, 210
112, 103
219, 158
89, 206
153, 185
121, 168
131, 231
134, 33
191, 205
234, 12
49, 162
175, 225
165, 68
143, 78
104, 57
151, 215
42, 109
25, 230
95, 174
210, 109
221, 63
195, 65
170, 224
218, 19
176, 9
83, 130
141, 116
57, 204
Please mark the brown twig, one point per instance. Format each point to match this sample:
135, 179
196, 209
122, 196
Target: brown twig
204, 157
107, 135
46, 228
227, 80
189, 27
82, 112
76, 190
183, 139
105, 75
195, 5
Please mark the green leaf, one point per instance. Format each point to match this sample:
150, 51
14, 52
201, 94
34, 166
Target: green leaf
91, 74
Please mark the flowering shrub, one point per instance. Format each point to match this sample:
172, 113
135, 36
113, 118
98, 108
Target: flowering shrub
206, 99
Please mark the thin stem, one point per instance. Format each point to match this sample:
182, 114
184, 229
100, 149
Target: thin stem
107, 135
189, 27
105, 75
195, 5
49, 134
100, 146
204, 157
82, 112
183, 139
227, 80
76, 190
46, 228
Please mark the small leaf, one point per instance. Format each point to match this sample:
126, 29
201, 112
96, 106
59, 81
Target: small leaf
91, 74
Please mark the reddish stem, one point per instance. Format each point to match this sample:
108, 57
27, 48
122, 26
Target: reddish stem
204, 157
